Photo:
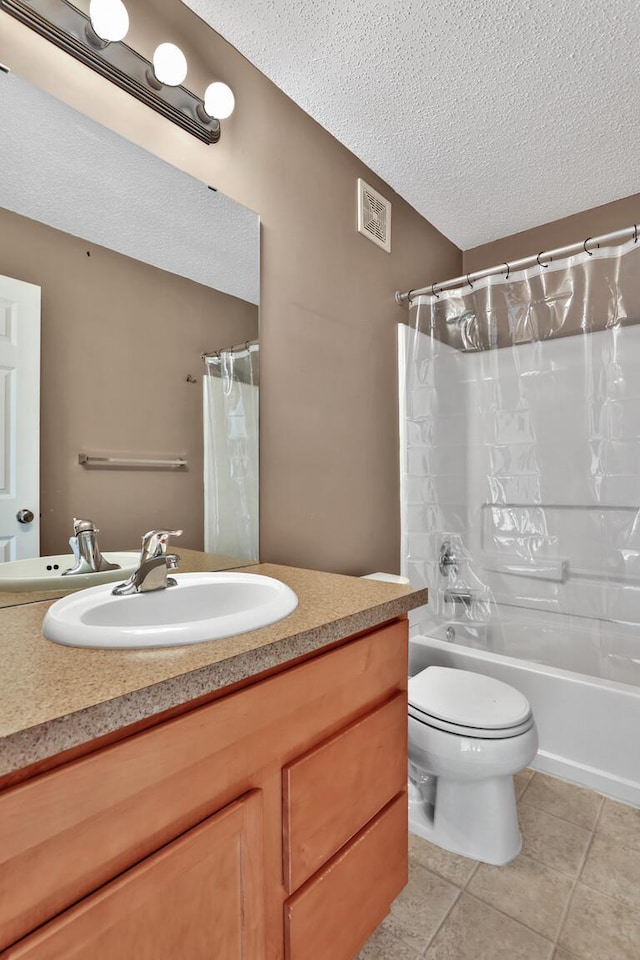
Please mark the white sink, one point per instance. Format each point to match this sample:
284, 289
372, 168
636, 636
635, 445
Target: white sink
45, 573
202, 606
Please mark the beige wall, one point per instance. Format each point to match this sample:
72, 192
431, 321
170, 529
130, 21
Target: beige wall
558, 233
119, 339
329, 434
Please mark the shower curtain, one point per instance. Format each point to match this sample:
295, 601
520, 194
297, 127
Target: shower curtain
231, 390
520, 427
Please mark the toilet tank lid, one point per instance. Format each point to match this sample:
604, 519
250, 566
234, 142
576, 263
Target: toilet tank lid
388, 577
468, 699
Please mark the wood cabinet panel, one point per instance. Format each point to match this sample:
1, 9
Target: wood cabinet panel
335, 912
336, 788
65, 833
200, 897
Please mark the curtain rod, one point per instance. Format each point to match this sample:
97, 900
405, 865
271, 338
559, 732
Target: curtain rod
433, 289
238, 347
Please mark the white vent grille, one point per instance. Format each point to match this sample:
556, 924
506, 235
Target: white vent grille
374, 216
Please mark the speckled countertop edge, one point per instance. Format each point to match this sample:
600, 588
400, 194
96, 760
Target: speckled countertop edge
55, 735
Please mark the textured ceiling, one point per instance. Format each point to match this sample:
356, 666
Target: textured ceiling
489, 118
65, 170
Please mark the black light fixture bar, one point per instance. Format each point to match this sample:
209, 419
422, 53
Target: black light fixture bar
70, 29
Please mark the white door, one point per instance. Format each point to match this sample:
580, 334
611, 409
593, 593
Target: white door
19, 419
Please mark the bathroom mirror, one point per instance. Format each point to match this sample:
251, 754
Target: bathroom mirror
141, 270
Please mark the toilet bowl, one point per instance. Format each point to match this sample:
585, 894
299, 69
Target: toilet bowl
468, 735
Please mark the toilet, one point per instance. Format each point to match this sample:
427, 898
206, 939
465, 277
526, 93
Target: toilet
468, 735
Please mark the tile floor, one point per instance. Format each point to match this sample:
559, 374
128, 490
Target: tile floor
572, 894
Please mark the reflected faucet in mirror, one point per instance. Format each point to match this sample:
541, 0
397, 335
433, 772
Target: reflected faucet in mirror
86, 552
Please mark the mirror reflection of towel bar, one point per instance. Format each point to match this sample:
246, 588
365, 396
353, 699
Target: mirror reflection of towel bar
132, 463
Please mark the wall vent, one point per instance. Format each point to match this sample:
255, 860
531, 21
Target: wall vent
374, 216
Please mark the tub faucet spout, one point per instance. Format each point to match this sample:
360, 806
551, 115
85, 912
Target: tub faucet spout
465, 597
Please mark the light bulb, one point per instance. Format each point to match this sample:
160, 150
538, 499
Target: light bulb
109, 19
169, 64
219, 101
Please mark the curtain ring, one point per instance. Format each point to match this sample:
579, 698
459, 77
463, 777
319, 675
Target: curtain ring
635, 233
544, 265
433, 292
469, 282
585, 246
508, 270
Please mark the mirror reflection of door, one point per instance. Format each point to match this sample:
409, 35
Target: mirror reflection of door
19, 419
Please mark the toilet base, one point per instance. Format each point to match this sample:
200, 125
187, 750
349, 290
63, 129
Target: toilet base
476, 818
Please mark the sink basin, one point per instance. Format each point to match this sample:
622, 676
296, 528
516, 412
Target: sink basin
45, 573
202, 606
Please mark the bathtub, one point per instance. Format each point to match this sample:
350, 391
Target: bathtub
588, 721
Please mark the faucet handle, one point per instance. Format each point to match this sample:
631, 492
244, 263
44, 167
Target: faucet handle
79, 526
154, 543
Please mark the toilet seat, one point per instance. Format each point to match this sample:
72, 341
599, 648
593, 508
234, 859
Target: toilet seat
468, 704
478, 733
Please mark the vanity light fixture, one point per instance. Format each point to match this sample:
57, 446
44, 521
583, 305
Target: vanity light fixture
109, 20
219, 100
96, 40
169, 65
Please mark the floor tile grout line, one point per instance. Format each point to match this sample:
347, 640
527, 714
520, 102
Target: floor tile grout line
565, 912
574, 823
492, 906
607, 896
590, 844
526, 787
554, 816
441, 924
571, 956
441, 876
589, 831
543, 863
599, 817
471, 876
573, 879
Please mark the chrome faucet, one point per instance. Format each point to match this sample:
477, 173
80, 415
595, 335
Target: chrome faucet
153, 566
86, 552
449, 562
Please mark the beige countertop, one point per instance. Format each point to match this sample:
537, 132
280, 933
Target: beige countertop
53, 698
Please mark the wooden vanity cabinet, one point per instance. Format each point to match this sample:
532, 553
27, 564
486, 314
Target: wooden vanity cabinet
269, 824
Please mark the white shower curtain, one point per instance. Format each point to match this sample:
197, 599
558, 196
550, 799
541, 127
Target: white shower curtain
231, 389
521, 446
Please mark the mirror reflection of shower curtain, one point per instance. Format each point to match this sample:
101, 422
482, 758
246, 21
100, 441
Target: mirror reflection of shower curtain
231, 406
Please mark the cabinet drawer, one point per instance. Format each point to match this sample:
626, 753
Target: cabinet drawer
335, 789
65, 833
335, 913
200, 897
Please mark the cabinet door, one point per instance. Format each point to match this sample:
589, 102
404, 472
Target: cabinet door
199, 898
